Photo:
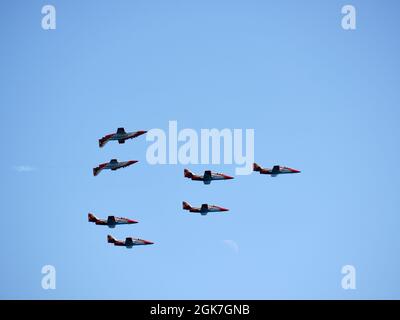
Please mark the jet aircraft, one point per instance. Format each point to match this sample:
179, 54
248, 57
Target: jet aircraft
113, 165
276, 170
207, 177
129, 242
204, 209
111, 221
121, 136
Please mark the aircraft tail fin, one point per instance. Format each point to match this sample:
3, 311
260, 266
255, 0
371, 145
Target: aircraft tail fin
96, 171
92, 217
186, 206
188, 173
111, 239
256, 167
101, 143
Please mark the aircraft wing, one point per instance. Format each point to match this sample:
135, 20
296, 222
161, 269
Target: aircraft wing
111, 220
121, 131
275, 170
207, 175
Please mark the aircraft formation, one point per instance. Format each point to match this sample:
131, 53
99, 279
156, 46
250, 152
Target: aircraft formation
112, 221
207, 177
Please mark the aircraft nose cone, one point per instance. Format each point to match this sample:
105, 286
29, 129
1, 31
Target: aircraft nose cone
224, 209
132, 221
148, 242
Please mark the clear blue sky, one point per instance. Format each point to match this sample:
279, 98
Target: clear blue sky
321, 99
